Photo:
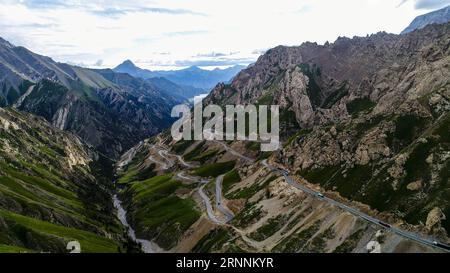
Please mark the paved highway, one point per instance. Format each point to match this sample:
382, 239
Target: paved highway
219, 203
229, 215
209, 208
410, 235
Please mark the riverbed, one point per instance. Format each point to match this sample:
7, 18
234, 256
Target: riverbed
147, 246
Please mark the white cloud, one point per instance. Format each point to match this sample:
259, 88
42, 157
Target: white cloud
428, 4
187, 31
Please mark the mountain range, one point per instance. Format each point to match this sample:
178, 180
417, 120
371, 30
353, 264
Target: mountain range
365, 123
436, 17
108, 110
86, 156
189, 77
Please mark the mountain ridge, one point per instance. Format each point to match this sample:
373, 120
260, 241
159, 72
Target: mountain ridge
191, 76
109, 116
440, 16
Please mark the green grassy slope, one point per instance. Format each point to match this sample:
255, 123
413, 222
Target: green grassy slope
48, 193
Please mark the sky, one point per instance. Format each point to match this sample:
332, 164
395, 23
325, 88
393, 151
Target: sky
173, 34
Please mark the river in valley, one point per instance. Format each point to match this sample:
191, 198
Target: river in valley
147, 246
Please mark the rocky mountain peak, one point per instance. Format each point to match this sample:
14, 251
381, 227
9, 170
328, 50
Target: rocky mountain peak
126, 65
436, 17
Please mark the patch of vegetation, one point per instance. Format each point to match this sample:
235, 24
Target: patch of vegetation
250, 214
49, 94
383, 195
230, 179
264, 155
250, 191
443, 130
233, 248
3, 101
166, 219
266, 99
12, 96
350, 243
14, 249
297, 241
154, 188
216, 169
347, 181
359, 105
158, 213
129, 176
293, 222
313, 89
24, 85
213, 241
273, 225
296, 136
253, 146
288, 120
319, 242
416, 166
407, 128
335, 96
199, 148
362, 128
90, 242
446, 222
182, 145
351, 182
320, 175
37, 181
205, 156
146, 173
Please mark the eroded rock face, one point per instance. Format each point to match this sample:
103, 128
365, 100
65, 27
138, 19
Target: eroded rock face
372, 114
385, 68
414, 186
281, 190
434, 218
294, 85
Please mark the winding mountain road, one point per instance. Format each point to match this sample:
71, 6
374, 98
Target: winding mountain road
409, 235
209, 208
219, 200
285, 173
206, 200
